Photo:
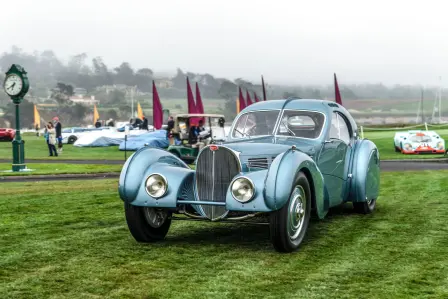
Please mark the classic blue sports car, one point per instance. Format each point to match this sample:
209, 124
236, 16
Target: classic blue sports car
282, 161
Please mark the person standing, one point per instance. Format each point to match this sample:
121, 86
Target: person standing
170, 127
51, 139
58, 128
145, 123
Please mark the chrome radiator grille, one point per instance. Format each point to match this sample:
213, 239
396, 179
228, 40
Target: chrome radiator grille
214, 172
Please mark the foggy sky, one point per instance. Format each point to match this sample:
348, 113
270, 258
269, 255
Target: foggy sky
393, 42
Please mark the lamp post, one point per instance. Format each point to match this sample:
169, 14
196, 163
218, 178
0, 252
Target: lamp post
16, 86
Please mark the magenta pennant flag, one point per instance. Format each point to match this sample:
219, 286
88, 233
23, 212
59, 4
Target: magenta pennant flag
199, 106
190, 98
157, 112
255, 97
241, 99
337, 93
248, 99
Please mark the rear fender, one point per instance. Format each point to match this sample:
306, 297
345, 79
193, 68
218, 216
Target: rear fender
365, 180
137, 165
280, 179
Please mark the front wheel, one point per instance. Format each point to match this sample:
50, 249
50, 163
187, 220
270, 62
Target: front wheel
147, 224
365, 207
288, 225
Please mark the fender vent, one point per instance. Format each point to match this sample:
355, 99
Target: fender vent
262, 163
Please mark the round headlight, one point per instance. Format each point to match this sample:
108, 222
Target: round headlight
440, 145
156, 185
407, 146
243, 189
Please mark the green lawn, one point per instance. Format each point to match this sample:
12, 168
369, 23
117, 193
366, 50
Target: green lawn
56, 168
36, 148
70, 240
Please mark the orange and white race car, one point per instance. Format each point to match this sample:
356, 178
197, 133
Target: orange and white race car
419, 142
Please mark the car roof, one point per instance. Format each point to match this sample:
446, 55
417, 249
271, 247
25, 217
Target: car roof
293, 103
186, 115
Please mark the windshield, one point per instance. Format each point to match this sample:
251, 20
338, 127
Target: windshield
67, 130
255, 123
304, 124
417, 138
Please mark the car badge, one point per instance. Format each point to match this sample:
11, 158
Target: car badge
213, 148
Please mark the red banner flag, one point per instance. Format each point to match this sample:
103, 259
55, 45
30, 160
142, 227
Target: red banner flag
337, 93
157, 112
190, 99
199, 106
248, 99
255, 97
241, 100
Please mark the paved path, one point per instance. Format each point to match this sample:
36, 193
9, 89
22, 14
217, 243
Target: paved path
67, 161
386, 166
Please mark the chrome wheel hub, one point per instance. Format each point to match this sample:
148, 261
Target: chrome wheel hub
155, 217
296, 215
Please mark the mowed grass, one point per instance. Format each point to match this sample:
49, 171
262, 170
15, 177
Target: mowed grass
36, 148
56, 168
70, 240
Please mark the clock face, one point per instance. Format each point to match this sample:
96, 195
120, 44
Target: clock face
13, 85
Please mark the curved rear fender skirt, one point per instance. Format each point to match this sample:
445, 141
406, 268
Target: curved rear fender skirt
280, 179
133, 170
257, 204
365, 183
176, 178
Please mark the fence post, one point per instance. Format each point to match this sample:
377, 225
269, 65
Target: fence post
362, 133
426, 126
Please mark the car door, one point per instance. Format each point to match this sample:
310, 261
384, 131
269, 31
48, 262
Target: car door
334, 158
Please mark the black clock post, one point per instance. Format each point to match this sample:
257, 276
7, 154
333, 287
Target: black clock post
16, 85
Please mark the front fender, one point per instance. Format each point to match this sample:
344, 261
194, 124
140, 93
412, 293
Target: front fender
137, 165
280, 179
365, 181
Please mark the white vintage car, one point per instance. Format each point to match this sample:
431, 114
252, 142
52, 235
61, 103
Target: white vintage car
419, 142
70, 135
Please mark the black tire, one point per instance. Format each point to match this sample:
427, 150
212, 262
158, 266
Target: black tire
280, 235
396, 148
365, 207
140, 228
72, 139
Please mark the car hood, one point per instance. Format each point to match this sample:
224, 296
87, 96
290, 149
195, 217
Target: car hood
270, 145
258, 153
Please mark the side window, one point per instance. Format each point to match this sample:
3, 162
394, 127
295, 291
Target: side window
339, 128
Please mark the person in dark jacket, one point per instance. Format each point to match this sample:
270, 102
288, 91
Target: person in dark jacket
58, 129
170, 126
145, 124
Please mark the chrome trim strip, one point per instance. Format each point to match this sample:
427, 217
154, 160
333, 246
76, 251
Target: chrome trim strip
200, 202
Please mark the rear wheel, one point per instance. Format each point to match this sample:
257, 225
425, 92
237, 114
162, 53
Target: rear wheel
365, 207
288, 225
72, 139
397, 150
147, 224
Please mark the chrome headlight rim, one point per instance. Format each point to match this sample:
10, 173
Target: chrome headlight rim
407, 146
252, 185
164, 180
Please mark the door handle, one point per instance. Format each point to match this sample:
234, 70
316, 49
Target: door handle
337, 162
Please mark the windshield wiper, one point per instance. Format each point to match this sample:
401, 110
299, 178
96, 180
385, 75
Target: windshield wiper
242, 134
288, 129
